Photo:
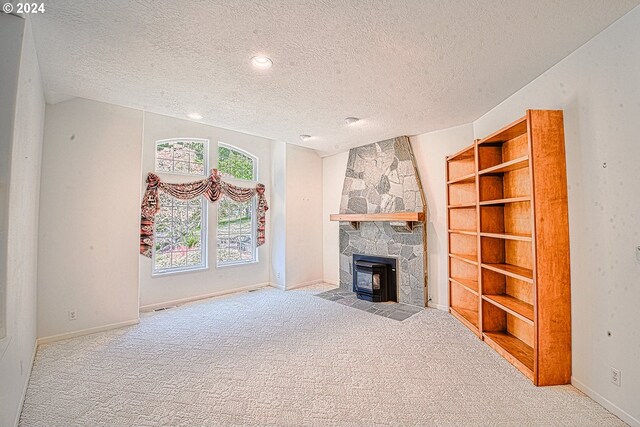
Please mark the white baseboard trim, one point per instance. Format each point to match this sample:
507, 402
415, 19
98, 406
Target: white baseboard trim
67, 335
607, 404
438, 306
155, 306
303, 284
26, 384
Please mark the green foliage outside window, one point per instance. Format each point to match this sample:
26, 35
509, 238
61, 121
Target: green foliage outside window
234, 164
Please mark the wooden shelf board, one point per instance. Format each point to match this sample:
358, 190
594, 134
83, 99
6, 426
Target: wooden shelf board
511, 348
380, 217
463, 206
512, 236
471, 259
466, 317
514, 271
512, 130
465, 232
465, 153
469, 285
503, 201
511, 165
463, 179
511, 305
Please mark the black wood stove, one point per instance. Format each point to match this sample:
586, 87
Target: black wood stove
374, 278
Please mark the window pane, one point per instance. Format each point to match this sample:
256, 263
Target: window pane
234, 164
163, 245
246, 247
179, 234
164, 165
181, 156
181, 167
236, 242
163, 260
179, 256
194, 258
196, 169
163, 227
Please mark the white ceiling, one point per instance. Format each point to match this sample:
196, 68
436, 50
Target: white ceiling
405, 67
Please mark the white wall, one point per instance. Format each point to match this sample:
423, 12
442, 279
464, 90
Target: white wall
11, 32
188, 285
430, 150
333, 170
21, 124
598, 87
277, 214
303, 216
89, 216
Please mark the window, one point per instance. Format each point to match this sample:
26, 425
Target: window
236, 229
182, 156
180, 235
180, 242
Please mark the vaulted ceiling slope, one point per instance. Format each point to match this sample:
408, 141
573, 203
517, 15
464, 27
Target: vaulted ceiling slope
403, 66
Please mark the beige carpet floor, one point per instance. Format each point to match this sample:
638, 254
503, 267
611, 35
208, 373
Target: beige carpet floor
273, 358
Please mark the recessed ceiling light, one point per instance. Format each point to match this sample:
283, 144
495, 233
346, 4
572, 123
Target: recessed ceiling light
261, 62
195, 116
351, 120
305, 137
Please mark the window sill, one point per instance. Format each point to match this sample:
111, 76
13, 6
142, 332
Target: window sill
181, 271
237, 264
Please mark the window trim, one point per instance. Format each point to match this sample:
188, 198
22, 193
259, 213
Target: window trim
254, 209
205, 142
204, 244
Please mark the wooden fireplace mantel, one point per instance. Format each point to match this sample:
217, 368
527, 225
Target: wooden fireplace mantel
355, 219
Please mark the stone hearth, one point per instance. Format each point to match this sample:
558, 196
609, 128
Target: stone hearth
382, 178
390, 310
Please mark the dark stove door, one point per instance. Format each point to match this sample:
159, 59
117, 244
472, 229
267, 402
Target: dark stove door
367, 280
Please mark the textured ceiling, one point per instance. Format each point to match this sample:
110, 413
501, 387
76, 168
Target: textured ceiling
405, 67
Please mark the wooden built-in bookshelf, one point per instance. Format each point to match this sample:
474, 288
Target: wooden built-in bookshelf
509, 244
462, 220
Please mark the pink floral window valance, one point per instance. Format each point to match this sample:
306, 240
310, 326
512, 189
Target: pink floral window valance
211, 188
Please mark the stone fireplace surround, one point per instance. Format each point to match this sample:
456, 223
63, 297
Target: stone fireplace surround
382, 178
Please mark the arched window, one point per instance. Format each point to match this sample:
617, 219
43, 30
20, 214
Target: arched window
180, 242
236, 229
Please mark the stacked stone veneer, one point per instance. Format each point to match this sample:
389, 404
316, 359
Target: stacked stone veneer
382, 177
